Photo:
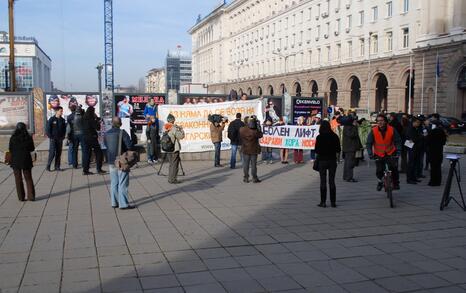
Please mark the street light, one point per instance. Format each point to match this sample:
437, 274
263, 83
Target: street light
99, 68
285, 56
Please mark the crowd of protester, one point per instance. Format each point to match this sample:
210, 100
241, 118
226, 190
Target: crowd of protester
405, 143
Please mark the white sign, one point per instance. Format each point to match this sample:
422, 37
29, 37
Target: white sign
193, 119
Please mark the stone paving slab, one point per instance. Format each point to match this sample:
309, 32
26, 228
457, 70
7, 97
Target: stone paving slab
214, 233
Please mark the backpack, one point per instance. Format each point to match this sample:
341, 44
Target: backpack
128, 159
166, 143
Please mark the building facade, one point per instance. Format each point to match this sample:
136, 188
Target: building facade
178, 70
377, 54
155, 81
33, 66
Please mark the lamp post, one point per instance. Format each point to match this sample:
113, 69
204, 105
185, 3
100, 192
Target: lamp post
285, 56
99, 68
5, 70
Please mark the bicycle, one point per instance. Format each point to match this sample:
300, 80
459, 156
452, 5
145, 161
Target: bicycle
387, 180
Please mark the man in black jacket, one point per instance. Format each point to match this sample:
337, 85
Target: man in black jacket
91, 129
414, 136
235, 140
78, 136
56, 130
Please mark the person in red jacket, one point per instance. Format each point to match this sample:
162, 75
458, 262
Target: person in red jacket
384, 145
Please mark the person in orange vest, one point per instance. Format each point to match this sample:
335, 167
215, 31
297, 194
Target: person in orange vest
384, 145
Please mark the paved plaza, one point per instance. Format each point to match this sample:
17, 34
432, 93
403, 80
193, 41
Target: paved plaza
214, 233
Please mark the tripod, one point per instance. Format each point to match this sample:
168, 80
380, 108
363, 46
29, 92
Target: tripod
164, 155
446, 193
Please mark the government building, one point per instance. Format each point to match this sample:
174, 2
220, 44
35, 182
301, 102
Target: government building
394, 55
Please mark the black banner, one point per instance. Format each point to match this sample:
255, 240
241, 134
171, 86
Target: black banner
306, 107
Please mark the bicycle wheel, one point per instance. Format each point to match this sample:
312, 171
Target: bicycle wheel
389, 188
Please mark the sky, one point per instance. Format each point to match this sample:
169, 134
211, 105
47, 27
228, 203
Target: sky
71, 34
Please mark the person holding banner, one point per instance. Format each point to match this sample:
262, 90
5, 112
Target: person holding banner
298, 154
250, 135
283, 152
327, 148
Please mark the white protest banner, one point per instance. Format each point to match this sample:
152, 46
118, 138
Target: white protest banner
290, 137
193, 119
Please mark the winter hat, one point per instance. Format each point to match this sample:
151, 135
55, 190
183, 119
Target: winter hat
170, 118
319, 116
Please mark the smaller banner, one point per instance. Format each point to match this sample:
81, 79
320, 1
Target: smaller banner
306, 107
13, 109
133, 105
65, 100
290, 137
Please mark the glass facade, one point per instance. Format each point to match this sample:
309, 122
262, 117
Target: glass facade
24, 73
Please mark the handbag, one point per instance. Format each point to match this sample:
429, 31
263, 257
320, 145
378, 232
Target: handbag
128, 159
7, 158
316, 166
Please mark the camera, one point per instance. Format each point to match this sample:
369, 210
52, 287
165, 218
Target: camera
254, 123
216, 118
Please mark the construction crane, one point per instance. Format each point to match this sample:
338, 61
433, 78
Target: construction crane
11, 36
108, 35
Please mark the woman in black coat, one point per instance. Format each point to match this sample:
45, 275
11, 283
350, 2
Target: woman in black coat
21, 145
327, 147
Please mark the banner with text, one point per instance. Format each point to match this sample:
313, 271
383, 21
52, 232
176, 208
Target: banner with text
290, 137
193, 119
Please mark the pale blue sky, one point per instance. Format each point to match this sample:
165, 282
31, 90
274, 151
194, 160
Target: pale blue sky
143, 32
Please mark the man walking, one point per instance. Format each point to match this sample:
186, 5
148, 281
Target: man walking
384, 145
235, 141
176, 134
118, 140
56, 131
250, 135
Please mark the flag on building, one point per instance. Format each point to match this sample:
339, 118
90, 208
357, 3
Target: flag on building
437, 67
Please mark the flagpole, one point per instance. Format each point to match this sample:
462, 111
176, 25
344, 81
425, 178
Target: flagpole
422, 85
436, 83
410, 84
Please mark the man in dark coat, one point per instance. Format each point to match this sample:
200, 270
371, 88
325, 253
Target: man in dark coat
351, 144
91, 128
436, 139
235, 141
56, 131
414, 135
250, 135
78, 137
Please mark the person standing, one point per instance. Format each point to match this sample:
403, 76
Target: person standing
21, 145
351, 144
250, 135
176, 133
436, 139
153, 138
92, 126
78, 137
384, 145
116, 140
415, 137
235, 141
327, 147
56, 131
268, 150
69, 134
283, 152
150, 109
216, 135
316, 120
298, 154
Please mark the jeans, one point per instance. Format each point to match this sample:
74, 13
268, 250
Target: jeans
250, 160
331, 167
217, 146
268, 154
70, 153
55, 148
119, 182
234, 150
